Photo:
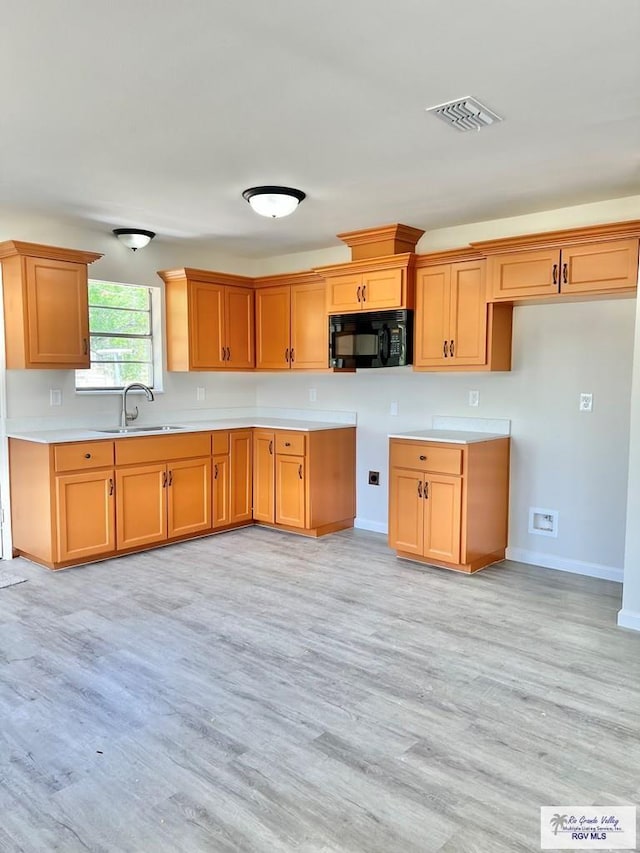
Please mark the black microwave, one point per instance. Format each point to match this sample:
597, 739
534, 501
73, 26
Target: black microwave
371, 339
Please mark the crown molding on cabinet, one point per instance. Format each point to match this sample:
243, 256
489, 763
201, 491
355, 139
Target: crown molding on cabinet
566, 237
207, 276
383, 240
10, 248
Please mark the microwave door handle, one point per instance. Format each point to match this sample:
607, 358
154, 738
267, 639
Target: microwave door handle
384, 344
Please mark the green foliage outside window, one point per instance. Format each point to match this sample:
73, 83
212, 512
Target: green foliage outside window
120, 335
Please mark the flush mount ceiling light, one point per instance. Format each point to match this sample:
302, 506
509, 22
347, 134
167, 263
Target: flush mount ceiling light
465, 114
134, 238
273, 201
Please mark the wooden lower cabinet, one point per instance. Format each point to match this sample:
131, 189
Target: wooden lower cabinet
188, 497
304, 480
141, 506
221, 499
240, 454
448, 504
85, 514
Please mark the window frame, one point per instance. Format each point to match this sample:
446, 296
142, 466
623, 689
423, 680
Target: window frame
154, 337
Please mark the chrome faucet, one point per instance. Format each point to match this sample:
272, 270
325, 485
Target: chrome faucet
127, 417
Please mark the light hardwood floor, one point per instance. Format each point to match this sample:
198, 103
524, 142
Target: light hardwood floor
262, 692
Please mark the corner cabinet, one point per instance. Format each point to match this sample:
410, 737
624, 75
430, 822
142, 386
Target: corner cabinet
455, 328
291, 323
591, 262
209, 320
448, 503
377, 284
45, 306
304, 481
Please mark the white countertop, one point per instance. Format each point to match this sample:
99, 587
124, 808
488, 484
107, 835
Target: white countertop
60, 436
447, 436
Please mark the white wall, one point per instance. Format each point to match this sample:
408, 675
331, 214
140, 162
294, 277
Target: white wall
629, 616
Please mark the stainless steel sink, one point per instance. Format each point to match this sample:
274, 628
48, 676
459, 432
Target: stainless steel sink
127, 430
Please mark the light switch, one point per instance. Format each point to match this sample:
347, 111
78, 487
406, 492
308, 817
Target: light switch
393, 408
55, 397
474, 398
313, 395
200, 393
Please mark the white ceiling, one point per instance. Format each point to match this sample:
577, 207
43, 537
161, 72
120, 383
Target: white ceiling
158, 114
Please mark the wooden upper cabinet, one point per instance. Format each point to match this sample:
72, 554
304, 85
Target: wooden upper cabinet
370, 285
598, 267
454, 326
45, 306
209, 320
291, 323
597, 260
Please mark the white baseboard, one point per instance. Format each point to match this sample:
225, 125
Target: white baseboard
629, 619
374, 526
563, 564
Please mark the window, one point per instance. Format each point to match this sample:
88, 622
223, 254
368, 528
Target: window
120, 336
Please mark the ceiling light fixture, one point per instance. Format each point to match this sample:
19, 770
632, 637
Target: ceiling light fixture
273, 201
134, 238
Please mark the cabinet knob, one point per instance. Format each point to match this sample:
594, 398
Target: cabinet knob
423, 458
87, 456
287, 444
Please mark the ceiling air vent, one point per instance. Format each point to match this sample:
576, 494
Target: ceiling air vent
465, 114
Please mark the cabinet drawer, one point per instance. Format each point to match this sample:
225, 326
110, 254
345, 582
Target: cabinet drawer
291, 443
162, 448
426, 457
84, 455
220, 443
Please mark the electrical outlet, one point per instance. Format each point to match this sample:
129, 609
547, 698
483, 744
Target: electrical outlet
200, 393
55, 397
586, 402
313, 395
474, 398
374, 478
393, 408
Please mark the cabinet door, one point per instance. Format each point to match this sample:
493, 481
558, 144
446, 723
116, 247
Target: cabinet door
290, 491
221, 498
406, 511
206, 326
240, 475
57, 314
239, 328
442, 498
141, 505
273, 339
383, 289
433, 311
344, 293
309, 327
85, 515
521, 275
468, 323
188, 497
263, 476
600, 267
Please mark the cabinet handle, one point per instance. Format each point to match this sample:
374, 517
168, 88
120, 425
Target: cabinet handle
87, 456
444, 349
228, 353
358, 294
452, 348
555, 273
292, 355
300, 471
565, 275
224, 354
426, 490
419, 488
423, 458
85, 346
364, 293
215, 471
170, 478
110, 485
286, 355
164, 479
271, 448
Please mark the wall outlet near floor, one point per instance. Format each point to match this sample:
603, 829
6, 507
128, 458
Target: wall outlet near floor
313, 395
55, 397
200, 393
544, 522
393, 408
474, 398
374, 478
586, 402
